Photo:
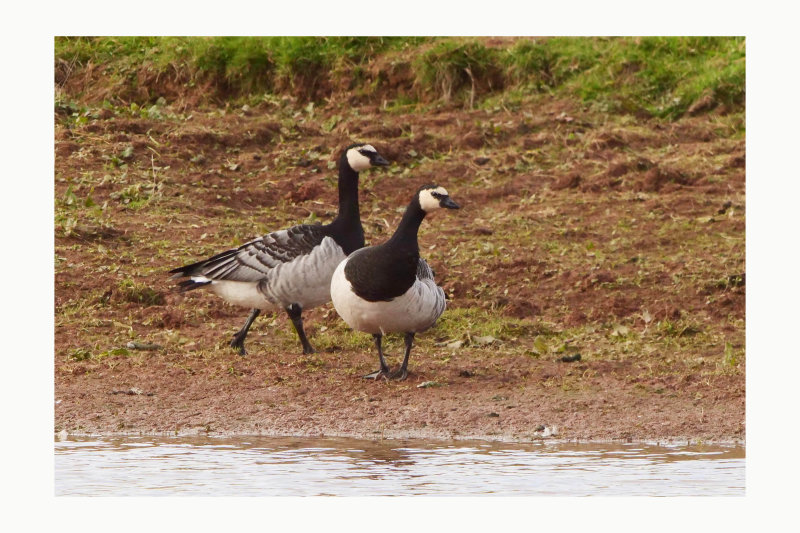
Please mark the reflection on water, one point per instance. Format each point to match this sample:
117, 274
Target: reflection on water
262, 466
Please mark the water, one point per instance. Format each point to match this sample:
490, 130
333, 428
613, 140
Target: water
262, 466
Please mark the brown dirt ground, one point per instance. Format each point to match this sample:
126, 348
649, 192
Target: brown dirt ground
253, 174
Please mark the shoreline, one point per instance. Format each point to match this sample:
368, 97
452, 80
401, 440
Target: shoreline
409, 435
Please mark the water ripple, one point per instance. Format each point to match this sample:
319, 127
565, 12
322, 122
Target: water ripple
254, 466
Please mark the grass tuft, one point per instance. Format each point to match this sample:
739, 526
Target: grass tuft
130, 291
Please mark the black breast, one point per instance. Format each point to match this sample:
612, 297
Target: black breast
380, 277
349, 235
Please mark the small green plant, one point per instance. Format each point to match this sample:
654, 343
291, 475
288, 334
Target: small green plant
540, 346
130, 291
730, 360
312, 363
81, 354
69, 199
678, 328
138, 194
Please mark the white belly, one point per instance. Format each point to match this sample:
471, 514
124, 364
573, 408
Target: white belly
241, 293
414, 311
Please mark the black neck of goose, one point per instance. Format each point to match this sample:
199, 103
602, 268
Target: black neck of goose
348, 193
405, 236
346, 228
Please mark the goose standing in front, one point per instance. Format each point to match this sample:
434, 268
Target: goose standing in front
389, 288
289, 269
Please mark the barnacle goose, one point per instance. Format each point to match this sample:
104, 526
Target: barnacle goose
289, 269
389, 288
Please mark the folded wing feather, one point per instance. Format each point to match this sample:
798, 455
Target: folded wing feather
254, 260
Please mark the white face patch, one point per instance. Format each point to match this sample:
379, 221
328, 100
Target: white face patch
428, 202
358, 161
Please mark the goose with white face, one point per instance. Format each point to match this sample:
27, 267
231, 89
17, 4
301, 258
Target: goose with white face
288, 269
435, 198
363, 156
389, 288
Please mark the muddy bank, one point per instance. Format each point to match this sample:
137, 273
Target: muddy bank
509, 399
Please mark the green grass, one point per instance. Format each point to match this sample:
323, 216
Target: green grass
466, 323
652, 76
661, 76
235, 66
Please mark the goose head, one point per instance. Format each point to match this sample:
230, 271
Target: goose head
362, 156
433, 197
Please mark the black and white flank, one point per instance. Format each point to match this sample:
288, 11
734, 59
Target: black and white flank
289, 269
389, 288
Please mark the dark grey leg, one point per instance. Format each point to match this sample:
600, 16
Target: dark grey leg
295, 314
402, 373
238, 338
384, 369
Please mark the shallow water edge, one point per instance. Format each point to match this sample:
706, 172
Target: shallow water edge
331, 466
413, 435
